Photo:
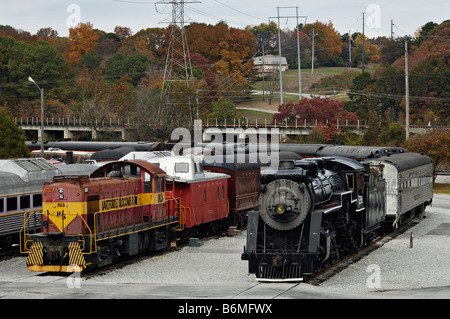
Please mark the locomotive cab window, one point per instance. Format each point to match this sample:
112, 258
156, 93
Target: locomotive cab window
148, 187
132, 170
350, 181
160, 185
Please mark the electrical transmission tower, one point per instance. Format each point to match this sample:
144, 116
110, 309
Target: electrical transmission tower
178, 63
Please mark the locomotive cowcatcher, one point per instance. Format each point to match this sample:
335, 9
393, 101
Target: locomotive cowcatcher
121, 209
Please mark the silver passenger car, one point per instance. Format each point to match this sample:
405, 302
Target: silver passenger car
21, 182
409, 184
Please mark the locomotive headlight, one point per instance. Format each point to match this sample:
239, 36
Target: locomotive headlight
280, 209
61, 196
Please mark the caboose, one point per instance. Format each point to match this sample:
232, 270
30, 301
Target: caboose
121, 209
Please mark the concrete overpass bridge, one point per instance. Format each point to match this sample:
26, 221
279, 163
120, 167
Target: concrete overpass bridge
71, 128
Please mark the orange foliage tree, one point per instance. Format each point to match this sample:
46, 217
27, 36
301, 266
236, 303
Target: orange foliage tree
82, 39
327, 42
435, 144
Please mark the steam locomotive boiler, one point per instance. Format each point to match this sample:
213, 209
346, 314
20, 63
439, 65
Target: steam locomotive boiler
311, 212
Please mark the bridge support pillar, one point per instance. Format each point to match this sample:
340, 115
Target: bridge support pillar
94, 134
68, 134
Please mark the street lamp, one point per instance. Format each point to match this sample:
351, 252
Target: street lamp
42, 115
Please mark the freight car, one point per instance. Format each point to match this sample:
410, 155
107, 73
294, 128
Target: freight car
314, 211
21, 182
121, 209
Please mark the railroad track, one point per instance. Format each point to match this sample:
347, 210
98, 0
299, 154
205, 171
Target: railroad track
352, 258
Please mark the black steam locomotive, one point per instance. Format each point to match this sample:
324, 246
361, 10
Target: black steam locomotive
314, 211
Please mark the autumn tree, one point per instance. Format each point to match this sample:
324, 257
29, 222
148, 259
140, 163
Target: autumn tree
325, 112
122, 32
328, 45
435, 143
82, 39
149, 42
371, 51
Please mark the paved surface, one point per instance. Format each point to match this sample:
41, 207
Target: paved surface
16, 282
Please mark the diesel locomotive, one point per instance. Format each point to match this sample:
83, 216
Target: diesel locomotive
121, 209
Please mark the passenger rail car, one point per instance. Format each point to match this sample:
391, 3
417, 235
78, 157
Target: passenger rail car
91, 221
409, 184
314, 211
21, 182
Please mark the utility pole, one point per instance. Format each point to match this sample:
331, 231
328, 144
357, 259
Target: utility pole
279, 52
349, 49
264, 72
299, 60
392, 29
312, 59
278, 17
364, 46
407, 88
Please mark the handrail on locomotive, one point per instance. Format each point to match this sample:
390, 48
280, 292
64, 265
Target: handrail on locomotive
178, 212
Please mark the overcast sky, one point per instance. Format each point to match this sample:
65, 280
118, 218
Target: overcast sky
407, 15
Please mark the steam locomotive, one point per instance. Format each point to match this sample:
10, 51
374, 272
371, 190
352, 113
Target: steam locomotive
314, 211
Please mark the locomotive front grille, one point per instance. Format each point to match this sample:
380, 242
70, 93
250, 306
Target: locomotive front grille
268, 272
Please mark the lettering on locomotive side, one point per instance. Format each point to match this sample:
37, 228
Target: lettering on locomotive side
118, 203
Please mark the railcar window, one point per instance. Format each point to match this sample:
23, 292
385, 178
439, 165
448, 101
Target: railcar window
25, 202
204, 195
223, 192
37, 200
11, 204
1, 205
181, 168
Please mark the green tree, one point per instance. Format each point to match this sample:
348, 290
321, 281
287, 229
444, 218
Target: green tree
222, 109
393, 135
12, 138
133, 67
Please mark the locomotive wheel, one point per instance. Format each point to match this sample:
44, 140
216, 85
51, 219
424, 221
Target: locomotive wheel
285, 204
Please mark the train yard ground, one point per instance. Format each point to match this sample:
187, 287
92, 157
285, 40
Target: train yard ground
215, 270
